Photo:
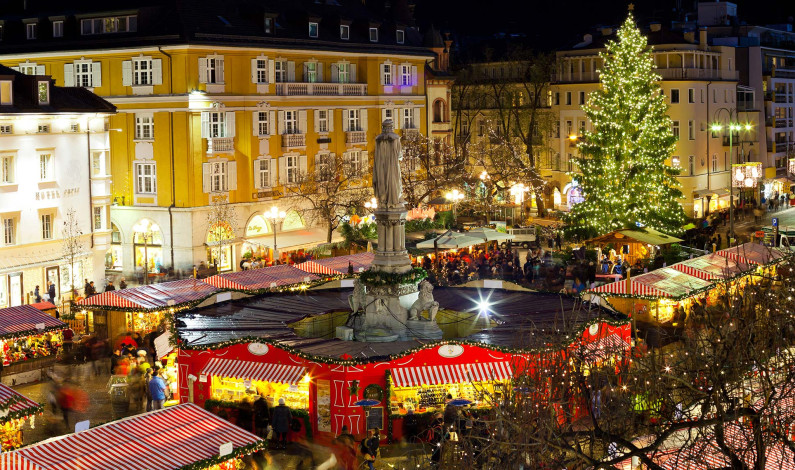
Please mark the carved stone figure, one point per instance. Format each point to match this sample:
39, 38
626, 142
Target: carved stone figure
357, 300
424, 302
386, 167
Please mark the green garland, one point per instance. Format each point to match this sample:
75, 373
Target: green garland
211, 403
19, 414
236, 453
374, 278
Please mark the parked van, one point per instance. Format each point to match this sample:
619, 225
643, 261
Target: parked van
522, 236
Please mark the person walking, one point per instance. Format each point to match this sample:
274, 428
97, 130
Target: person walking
281, 423
157, 388
51, 291
369, 447
37, 294
148, 378
261, 416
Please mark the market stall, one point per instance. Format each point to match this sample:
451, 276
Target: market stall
15, 410
30, 340
749, 255
338, 265
263, 279
182, 437
711, 267
632, 245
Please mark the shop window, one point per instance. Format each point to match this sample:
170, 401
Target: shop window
113, 257
148, 245
292, 221
219, 246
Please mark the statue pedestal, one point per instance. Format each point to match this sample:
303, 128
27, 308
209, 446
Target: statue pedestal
421, 329
391, 255
386, 311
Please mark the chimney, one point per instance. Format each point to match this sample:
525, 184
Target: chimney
607, 31
654, 27
702, 38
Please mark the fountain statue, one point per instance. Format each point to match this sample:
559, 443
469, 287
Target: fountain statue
391, 284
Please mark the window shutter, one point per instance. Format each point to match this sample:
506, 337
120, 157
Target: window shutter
305, 74
381, 73
335, 73
396, 118
330, 115
220, 70
157, 72
254, 71
231, 176
291, 71
364, 119
352, 78
282, 170
316, 119
413, 75
257, 166
346, 159
96, 74
230, 123
416, 112
272, 122
317, 165
363, 162
302, 121
202, 70
206, 175
302, 168
255, 123
346, 122
69, 74
281, 129
271, 72
39, 70
394, 74
205, 125
272, 172
320, 72
126, 73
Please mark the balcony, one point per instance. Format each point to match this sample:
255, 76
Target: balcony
356, 137
575, 77
779, 73
696, 74
293, 140
321, 89
220, 144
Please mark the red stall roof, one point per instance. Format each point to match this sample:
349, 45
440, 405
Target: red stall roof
21, 406
44, 305
458, 373
663, 282
23, 319
338, 264
167, 439
752, 254
152, 296
711, 267
262, 278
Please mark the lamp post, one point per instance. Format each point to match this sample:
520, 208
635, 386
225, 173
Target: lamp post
274, 216
454, 196
518, 191
146, 230
733, 125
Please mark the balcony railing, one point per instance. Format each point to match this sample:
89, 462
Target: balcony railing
356, 137
777, 147
779, 73
293, 140
575, 77
321, 89
692, 73
220, 144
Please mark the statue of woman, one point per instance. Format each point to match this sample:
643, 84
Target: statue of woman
387, 184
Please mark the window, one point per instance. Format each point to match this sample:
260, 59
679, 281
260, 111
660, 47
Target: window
568, 98
142, 71
675, 128
344, 72
43, 92
98, 217
582, 97
9, 234
6, 129
464, 124
324, 166
268, 25
261, 71
373, 34
569, 128
345, 32
218, 177
217, 125
108, 25
354, 120
691, 95
6, 95
28, 68
84, 75
556, 130
57, 29
291, 122
43, 129
714, 96
99, 163
674, 96
313, 29
675, 162
7, 175
322, 120
46, 226
691, 130
31, 30
405, 75
215, 70
408, 118
280, 70
714, 162
355, 159
262, 171
144, 127
262, 123
311, 72
581, 126
45, 167
400, 36
145, 178
74, 127
691, 164
556, 98
386, 74
292, 168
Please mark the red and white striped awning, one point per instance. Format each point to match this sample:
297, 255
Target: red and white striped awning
709, 267
152, 296
606, 346
159, 440
620, 287
21, 403
751, 254
338, 264
249, 370
23, 319
452, 374
261, 278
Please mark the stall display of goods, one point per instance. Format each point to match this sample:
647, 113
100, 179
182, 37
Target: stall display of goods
296, 396
430, 398
144, 321
30, 347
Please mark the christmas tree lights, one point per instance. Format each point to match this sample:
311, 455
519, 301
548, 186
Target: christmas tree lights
625, 178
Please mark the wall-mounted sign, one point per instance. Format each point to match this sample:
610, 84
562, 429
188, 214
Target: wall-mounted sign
593, 329
451, 350
258, 349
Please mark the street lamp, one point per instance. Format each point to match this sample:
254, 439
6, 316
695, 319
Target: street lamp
733, 126
518, 191
454, 196
146, 229
274, 216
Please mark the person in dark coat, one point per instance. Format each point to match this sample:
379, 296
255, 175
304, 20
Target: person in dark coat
37, 294
245, 415
262, 416
51, 292
110, 287
281, 423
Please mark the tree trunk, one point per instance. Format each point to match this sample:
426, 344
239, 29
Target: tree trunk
329, 233
540, 203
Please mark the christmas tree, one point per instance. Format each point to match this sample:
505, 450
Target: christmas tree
624, 176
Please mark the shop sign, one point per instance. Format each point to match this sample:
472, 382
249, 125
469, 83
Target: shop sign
293, 388
82, 426
451, 350
225, 449
593, 329
202, 377
258, 349
247, 384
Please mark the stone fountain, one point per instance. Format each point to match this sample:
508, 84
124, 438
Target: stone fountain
397, 303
